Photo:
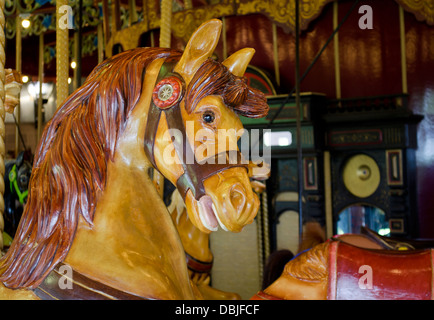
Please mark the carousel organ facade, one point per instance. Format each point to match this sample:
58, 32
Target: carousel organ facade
349, 125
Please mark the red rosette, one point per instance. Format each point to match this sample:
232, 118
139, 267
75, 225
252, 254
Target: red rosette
167, 92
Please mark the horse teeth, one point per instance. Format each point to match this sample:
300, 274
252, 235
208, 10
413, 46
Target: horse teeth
202, 212
218, 219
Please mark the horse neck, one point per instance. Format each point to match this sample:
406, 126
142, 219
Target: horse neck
195, 242
133, 244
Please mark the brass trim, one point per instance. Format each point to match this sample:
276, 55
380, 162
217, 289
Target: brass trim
275, 54
403, 50
328, 195
336, 50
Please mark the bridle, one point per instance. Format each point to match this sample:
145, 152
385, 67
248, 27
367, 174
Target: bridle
167, 96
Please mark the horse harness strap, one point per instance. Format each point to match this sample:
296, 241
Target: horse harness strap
14, 185
198, 266
76, 286
167, 95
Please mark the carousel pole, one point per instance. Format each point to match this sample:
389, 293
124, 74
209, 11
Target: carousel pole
62, 56
18, 54
276, 54
41, 80
2, 118
80, 42
260, 241
298, 114
225, 44
75, 55
265, 224
403, 50
165, 34
133, 12
100, 44
166, 23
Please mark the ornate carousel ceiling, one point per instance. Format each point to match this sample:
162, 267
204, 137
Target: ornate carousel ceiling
144, 16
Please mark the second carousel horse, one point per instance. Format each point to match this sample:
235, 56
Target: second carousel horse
338, 270
17, 175
13, 84
197, 243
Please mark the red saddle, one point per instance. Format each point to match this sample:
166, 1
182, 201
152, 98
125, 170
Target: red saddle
364, 274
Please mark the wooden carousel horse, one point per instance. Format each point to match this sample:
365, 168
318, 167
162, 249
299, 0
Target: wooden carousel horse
197, 243
94, 226
338, 270
17, 175
314, 234
198, 254
13, 84
357, 266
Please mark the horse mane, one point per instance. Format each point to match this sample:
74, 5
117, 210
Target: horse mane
275, 265
310, 265
213, 78
70, 166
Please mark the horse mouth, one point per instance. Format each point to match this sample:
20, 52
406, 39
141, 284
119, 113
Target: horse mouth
208, 214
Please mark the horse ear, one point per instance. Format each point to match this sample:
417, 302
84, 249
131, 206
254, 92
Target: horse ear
20, 159
199, 48
237, 62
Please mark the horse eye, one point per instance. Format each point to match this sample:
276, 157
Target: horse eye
23, 180
208, 117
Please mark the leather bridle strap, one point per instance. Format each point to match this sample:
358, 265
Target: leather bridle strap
81, 288
195, 173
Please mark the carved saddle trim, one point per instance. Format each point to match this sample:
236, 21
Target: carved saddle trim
83, 288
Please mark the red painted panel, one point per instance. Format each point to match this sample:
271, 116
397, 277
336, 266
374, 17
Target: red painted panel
370, 59
420, 67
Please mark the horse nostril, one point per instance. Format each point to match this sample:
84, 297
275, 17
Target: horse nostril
238, 197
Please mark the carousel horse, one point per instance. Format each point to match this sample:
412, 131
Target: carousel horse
94, 226
13, 84
198, 254
357, 267
197, 243
337, 270
314, 234
17, 175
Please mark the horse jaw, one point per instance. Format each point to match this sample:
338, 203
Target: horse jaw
229, 202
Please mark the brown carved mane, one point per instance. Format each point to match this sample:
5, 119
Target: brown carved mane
70, 165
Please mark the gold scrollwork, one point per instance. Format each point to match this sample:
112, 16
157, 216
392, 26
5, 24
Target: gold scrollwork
422, 9
185, 22
282, 12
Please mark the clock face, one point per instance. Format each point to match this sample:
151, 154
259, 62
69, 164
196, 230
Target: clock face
361, 175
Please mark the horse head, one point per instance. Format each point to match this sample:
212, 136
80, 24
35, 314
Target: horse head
17, 175
197, 101
142, 107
